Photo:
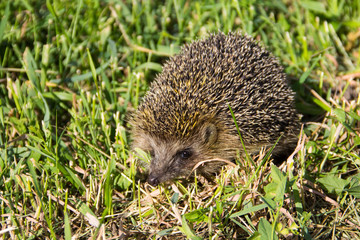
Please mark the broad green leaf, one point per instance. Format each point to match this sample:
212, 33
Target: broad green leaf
266, 231
354, 191
269, 202
270, 189
175, 198
276, 174
340, 114
334, 184
15, 152
199, 215
255, 236
354, 188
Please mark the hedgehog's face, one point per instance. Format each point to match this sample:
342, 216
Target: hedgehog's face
177, 158
167, 164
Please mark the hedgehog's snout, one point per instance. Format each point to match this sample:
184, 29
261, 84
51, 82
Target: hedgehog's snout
153, 180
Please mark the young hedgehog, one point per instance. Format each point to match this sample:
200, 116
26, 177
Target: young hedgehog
185, 117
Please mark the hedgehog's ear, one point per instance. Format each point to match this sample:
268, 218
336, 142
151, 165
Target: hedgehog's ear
209, 133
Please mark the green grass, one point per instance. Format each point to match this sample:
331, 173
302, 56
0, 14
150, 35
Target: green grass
72, 72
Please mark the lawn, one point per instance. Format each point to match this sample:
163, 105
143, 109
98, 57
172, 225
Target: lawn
73, 72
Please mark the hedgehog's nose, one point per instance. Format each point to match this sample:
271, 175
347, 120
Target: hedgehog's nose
153, 181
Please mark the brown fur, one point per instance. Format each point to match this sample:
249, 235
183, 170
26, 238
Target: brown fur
186, 111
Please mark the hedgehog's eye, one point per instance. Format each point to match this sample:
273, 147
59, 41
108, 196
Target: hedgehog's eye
185, 154
152, 154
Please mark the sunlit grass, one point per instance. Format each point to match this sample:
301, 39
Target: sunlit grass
71, 74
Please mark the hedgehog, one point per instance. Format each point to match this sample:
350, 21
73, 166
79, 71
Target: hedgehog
185, 118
